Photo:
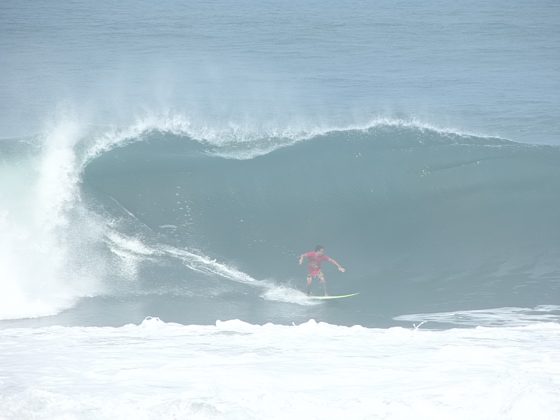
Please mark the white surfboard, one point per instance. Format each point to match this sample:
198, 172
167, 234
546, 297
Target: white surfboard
333, 297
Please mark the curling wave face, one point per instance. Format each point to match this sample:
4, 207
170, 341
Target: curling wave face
425, 219
422, 217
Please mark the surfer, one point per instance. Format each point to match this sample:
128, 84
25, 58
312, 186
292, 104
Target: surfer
315, 258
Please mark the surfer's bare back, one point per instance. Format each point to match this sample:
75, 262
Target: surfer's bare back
315, 258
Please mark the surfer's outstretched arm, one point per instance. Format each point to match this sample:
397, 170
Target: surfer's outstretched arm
301, 258
340, 268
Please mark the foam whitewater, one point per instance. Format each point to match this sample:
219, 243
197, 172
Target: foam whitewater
314, 370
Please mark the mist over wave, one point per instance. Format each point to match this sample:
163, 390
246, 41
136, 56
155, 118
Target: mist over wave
49, 244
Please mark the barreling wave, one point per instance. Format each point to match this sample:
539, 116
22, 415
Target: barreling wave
424, 218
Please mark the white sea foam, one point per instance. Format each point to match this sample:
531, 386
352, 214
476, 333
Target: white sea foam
132, 251
289, 295
43, 227
489, 317
206, 265
235, 370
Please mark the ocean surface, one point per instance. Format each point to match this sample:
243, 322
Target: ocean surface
164, 165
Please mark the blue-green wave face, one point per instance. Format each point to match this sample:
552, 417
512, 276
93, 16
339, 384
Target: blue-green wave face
421, 219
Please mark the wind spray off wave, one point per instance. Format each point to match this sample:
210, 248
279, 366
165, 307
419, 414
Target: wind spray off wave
48, 241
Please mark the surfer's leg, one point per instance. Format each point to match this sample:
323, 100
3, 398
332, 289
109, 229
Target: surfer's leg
309, 280
323, 282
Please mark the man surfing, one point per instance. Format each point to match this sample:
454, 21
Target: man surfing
315, 258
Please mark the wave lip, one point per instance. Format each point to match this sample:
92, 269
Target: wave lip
246, 141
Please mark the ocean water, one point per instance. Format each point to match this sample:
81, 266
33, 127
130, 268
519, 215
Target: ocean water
163, 166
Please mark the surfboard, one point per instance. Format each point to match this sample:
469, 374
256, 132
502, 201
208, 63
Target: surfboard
333, 297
